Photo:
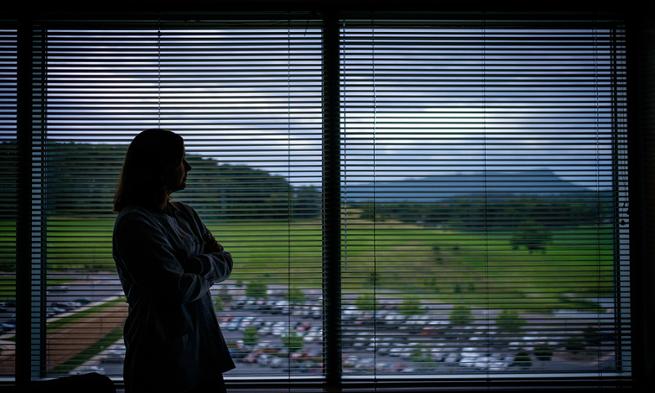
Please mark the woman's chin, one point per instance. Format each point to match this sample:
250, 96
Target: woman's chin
179, 187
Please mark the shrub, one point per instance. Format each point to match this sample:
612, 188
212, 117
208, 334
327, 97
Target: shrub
256, 289
543, 352
293, 342
574, 344
296, 295
411, 307
509, 322
250, 336
461, 315
592, 336
218, 303
365, 302
522, 359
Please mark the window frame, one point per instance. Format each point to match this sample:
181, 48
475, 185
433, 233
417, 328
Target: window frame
331, 381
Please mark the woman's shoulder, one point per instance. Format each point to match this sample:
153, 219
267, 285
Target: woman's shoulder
134, 213
185, 208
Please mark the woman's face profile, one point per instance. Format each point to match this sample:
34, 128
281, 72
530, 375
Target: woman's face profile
176, 178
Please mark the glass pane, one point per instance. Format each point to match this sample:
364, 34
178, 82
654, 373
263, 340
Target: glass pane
247, 102
479, 181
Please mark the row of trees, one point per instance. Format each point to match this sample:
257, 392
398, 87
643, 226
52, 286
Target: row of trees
478, 213
508, 322
461, 315
528, 220
81, 178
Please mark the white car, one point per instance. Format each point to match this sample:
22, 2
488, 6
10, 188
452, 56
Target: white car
277, 362
467, 361
498, 366
451, 358
264, 359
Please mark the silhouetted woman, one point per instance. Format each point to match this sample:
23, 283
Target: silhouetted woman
167, 260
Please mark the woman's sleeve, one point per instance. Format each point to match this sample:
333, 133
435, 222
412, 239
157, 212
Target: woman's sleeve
151, 262
206, 235
220, 259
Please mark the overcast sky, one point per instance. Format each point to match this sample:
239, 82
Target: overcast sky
414, 102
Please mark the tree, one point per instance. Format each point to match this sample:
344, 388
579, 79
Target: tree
218, 303
532, 235
574, 344
508, 321
256, 289
296, 295
592, 336
225, 295
422, 359
543, 352
250, 336
522, 359
461, 315
293, 342
411, 306
306, 202
77, 190
365, 302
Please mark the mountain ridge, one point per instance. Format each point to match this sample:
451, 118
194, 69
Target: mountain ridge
531, 182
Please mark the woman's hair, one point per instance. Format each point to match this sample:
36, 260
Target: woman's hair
150, 156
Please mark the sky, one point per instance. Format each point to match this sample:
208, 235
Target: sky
414, 102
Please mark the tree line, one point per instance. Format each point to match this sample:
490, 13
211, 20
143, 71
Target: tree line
477, 212
80, 180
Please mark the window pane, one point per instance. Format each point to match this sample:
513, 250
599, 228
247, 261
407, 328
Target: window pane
484, 186
246, 99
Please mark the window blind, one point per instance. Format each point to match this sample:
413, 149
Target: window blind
484, 227
484, 191
8, 191
245, 96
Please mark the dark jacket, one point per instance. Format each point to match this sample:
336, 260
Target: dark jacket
172, 338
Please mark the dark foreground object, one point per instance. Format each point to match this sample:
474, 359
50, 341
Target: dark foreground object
85, 383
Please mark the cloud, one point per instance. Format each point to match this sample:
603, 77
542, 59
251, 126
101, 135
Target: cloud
229, 102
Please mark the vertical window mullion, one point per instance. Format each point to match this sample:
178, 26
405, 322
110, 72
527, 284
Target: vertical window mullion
331, 204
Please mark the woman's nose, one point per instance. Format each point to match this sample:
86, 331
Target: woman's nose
187, 165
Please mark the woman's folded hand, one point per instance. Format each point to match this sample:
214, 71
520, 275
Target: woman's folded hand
211, 245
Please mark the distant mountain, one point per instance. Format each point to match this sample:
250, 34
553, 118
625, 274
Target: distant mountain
541, 182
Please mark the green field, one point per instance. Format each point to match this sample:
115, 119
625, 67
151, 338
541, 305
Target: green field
436, 264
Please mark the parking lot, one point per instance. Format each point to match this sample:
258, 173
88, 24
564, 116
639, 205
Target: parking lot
386, 341
383, 342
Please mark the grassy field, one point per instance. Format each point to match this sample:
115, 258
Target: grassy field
437, 264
